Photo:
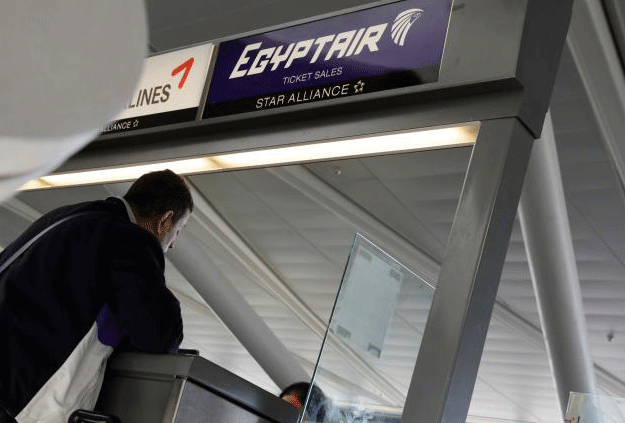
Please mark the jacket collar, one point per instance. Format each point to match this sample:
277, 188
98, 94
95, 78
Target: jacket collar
131, 215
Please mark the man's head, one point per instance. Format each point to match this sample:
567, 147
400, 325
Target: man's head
295, 394
162, 203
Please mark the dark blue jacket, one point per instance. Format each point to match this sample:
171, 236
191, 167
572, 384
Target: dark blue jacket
96, 266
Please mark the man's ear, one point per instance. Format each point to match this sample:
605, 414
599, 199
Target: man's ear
165, 221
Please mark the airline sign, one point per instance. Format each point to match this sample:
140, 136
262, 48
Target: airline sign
384, 47
170, 90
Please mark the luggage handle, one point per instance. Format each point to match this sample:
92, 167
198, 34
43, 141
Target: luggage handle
86, 416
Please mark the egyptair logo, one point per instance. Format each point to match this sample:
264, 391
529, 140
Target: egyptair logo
402, 24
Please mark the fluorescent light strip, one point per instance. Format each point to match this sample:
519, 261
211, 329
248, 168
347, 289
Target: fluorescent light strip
337, 149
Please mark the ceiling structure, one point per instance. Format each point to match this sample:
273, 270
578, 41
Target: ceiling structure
281, 236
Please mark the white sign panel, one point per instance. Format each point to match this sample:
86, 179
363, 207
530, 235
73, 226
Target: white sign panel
170, 90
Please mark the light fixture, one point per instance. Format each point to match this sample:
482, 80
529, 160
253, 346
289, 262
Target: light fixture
376, 144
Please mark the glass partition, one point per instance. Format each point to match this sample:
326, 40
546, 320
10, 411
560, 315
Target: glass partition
377, 321
586, 408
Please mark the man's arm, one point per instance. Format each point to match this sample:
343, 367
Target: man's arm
147, 312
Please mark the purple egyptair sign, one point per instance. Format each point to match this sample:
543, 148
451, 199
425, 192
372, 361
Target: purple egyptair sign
388, 46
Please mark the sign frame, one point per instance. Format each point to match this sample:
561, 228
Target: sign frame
190, 69
252, 73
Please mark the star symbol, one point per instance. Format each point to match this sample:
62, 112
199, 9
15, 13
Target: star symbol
359, 87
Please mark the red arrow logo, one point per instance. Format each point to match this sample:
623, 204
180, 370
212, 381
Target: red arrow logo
186, 66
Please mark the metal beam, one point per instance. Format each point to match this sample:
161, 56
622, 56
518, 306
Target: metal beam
549, 247
615, 11
596, 56
450, 352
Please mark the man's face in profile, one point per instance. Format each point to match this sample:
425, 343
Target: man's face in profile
172, 231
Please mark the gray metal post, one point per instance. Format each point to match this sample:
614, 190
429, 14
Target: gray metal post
238, 316
453, 341
549, 247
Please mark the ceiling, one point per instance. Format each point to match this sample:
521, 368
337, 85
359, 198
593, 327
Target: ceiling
297, 224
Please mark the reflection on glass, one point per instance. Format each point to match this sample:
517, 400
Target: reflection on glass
377, 322
586, 408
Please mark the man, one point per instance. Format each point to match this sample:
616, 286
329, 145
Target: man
296, 394
92, 283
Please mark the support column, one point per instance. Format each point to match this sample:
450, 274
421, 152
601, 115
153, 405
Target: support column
549, 248
238, 316
453, 340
